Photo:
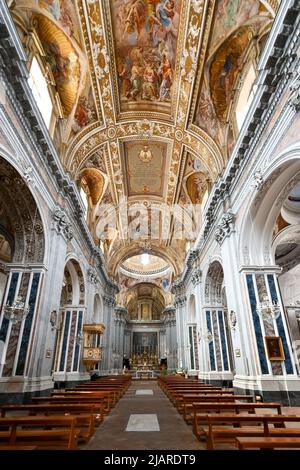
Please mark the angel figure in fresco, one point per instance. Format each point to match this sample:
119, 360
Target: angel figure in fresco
135, 81
201, 186
165, 87
134, 15
60, 66
164, 26
66, 18
53, 6
124, 72
149, 83
206, 116
228, 74
84, 114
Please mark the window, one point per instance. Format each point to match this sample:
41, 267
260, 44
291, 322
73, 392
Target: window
245, 97
84, 199
39, 87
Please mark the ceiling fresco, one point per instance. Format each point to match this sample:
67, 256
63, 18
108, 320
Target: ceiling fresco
145, 40
148, 90
237, 27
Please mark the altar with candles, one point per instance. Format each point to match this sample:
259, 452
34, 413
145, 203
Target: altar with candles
144, 351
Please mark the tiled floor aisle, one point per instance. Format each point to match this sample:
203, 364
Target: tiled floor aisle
173, 433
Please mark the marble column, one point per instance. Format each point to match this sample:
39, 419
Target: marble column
201, 349
180, 305
120, 320
262, 287
108, 316
170, 337
16, 337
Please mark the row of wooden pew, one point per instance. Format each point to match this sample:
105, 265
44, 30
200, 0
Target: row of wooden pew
62, 420
219, 416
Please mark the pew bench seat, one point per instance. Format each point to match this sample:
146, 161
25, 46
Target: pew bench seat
268, 443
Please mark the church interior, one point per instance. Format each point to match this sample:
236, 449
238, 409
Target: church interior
149, 224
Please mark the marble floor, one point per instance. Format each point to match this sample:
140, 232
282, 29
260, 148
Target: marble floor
144, 419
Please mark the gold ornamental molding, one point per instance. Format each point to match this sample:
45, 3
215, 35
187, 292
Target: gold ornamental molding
94, 328
196, 141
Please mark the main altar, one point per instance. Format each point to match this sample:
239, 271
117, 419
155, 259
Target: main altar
144, 359
144, 365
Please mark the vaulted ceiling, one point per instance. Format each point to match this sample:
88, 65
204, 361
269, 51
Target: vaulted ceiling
147, 90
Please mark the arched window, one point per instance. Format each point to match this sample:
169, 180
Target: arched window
84, 199
246, 96
39, 87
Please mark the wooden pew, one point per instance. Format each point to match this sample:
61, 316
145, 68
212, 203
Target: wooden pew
202, 410
17, 447
268, 442
104, 398
187, 402
76, 409
111, 395
88, 415
225, 428
45, 431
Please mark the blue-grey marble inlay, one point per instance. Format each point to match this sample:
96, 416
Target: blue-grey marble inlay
191, 347
10, 299
210, 344
280, 327
77, 346
28, 324
65, 341
257, 327
223, 340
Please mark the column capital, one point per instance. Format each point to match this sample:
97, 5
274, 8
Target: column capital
92, 276
62, 224
180, 301
109, 301
225, 227
197, 277
121, 314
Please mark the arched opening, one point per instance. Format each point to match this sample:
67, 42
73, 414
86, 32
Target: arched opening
216, 334
270, 249
22, 248
98, 310
145, 303
286, 249
72, 307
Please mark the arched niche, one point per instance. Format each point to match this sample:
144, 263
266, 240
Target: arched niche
214, 295
73, 289
216, 331
192, 309
97, 310
21, 226
264, 208
72, 310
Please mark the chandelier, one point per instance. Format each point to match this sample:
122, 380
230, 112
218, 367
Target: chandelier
16, 312
266, 309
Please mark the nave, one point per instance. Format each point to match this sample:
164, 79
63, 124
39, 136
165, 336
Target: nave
163, 428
